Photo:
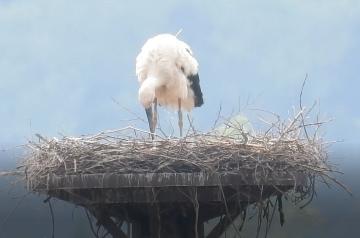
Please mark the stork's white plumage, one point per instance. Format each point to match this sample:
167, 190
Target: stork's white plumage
168, 74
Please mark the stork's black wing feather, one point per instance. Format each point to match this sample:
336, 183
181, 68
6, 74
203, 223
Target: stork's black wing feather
195, 86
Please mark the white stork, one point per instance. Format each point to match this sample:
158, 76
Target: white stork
168, 75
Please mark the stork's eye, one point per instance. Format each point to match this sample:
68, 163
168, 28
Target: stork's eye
182, 69
188, 50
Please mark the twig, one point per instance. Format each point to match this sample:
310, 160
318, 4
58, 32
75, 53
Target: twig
48, 200
90, 223
301, 107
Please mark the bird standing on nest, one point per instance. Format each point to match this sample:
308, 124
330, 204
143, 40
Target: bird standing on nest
168, 75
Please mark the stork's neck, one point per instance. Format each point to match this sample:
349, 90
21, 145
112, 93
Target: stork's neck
147, 91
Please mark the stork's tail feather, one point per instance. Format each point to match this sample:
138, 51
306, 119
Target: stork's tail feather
195, 86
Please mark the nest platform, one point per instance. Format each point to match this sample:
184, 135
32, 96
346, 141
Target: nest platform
169, 187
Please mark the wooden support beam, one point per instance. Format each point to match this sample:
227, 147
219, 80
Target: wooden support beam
223, 224
105, 220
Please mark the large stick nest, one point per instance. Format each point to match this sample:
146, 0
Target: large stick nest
285, 146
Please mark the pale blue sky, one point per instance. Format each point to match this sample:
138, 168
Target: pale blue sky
62, 62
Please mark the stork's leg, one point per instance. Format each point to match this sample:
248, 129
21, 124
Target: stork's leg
154, 116
149, 115
180, 117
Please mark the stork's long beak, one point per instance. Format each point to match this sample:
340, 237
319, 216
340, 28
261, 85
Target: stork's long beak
149, 114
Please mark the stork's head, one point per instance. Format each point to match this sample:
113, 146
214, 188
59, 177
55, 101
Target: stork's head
186, 61
147, 92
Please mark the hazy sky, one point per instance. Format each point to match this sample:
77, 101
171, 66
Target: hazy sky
62, 62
